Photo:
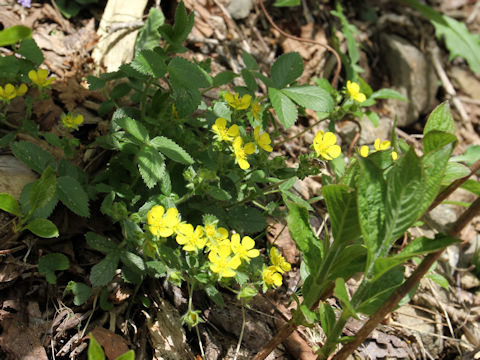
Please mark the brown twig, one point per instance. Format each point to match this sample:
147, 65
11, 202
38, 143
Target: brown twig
328, 47
407, 286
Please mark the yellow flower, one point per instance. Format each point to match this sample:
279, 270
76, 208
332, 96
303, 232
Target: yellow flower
10, 92
161, 223
364, 150
272, 277
221, 262
263, 140
325, 145
243, 250
241, 152
39, 77
71, 121
224, 134
278, 261
394, 155
189, 238
238, 103
256, 109
381, 145
353, 89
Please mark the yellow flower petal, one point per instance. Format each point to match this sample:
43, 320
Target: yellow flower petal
364, 150
249, 148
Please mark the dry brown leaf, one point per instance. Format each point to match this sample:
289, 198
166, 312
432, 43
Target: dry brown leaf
113, 344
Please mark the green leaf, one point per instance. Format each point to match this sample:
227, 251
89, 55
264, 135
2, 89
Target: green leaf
440, 280
134, 128
440, 119
454, 171
342, 208
133, 261
373, 117
68, 8
149, 62
249, 61
311, 97
43, 212
472, 154
286, 69
340, 291
327, 318
129, 355
158, 268
388, 94
48, 264
181, 28
172, 150
43, 190
9, 204
148, 36
245, 219
33, 155
151, 165
72, 195
350, 261
80, 291
43, 228
103, 272
307, 243
31, 51
250, 80
14, 34
214, 294
435, 140
281, 3
472, 186
284, 107
100, 243
188, 75
423, 245
95, 351
225, 77
186, 100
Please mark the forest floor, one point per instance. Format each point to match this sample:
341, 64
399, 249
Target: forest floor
38, 321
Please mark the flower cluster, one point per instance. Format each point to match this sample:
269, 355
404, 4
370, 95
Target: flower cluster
378, 146
325, 145
353, 90
232, 135
70, 121
10, 92
40, 78
272, 275
225, 255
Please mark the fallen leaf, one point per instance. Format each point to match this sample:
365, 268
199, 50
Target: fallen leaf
113, 344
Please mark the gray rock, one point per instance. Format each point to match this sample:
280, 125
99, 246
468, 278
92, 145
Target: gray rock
412, 75
348, 129
240, 9
14, 175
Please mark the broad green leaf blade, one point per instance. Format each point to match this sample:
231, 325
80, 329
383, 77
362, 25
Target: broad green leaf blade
284, 107
472, 186
151, 165
103, 272
424, 245
48, 264
148, 36
307, 243
100, 243
286, 69
172, 150
134, 128
440, 119
454, 171
388, 94
249, 61
471, 155
80, 291
133, 261
340, 291
9, 204
311, 97
33, 155
43, 228
186, 74
404, 198
350, 261
435, 140
223, 78
43, 190
95, 351
342, 208
181, 28
129, 355
31, 51
14, 34
72, 195
371, 193
151, 63
246, 219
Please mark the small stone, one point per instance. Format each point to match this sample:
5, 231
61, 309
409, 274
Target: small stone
240, 9
14, 175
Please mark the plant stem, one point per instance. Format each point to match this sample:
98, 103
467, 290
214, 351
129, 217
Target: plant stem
241, 333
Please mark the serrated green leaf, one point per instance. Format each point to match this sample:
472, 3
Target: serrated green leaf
340, 291
186, 74
43, 190
388, 94
80, 291
132, 260
31, 51
148, 36
95, 83
151, 165
43, 212
134, 128
440, 119
245, 219
186, 100
48, 264
157, 267
284, 107
72, 195
14, 34
43, 228
341, 203
120, 90
249, 61
151, 63
9, 204
172, 150
103, 272
311, 97
95, 351
225, 77
250, 80
181, 28
286, 69
33, 155
100, 243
